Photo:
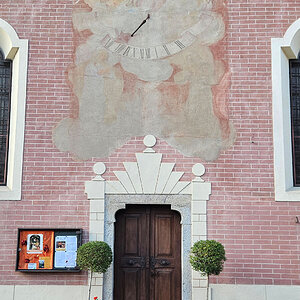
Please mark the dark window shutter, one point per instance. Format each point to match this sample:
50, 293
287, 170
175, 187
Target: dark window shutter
5, 97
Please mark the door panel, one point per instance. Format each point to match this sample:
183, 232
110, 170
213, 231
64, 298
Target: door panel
130, 251
147, 262
163, 235
132, 235
163, 285
165, 239
131, 279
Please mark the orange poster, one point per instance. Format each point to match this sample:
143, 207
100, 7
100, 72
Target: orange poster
36, 249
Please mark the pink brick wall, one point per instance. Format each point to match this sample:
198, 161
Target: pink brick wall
259, 234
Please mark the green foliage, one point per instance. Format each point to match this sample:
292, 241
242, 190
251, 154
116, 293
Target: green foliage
208, 257
94, 256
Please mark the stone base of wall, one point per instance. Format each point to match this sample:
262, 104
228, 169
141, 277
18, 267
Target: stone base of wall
44, 292
218, 292
251, 292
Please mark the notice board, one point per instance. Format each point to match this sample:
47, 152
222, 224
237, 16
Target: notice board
48, 250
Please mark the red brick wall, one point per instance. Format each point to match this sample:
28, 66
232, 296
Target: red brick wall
259, 234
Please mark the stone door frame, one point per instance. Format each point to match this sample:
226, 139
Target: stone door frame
149, 180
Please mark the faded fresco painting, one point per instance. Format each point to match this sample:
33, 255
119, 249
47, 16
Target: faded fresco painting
147, 67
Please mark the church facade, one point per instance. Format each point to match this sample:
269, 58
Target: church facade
149, 125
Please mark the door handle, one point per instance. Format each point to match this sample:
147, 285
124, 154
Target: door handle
164, 262
130, 262
141, 262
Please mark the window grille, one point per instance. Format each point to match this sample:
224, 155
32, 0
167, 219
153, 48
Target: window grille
5, 96
295, 117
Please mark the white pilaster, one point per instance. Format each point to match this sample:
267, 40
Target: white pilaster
95, 191
200, 195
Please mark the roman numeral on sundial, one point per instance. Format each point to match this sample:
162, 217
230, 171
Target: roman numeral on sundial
109, 43
126, 52
155, 52
120, 48
166, 49
179, 44
142, 53
148, 52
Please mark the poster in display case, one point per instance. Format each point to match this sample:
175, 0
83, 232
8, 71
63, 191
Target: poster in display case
48, 250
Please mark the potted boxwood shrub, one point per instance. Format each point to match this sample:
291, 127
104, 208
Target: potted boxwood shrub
208, 257
95, 257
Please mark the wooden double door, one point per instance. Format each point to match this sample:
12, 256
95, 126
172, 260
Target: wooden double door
147, 259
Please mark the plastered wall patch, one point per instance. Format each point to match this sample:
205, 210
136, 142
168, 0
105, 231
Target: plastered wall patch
159, 78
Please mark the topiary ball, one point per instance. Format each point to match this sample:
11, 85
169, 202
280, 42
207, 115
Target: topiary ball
94, 256
208, 257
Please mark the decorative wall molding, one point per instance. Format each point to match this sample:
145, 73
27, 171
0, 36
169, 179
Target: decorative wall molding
283, 49
149, 180
16, 50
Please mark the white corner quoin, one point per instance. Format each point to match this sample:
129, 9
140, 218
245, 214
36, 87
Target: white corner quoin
149, 180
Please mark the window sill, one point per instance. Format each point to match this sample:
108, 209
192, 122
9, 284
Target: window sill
7, 194
291, 194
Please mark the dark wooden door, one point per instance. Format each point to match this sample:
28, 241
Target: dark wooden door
147, 259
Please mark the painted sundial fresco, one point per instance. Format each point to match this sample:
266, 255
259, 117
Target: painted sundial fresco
162, 80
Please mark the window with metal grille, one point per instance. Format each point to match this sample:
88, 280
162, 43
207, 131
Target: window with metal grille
5, 93
295, 116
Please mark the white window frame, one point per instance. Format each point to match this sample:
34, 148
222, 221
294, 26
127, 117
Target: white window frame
283, 49
16, 50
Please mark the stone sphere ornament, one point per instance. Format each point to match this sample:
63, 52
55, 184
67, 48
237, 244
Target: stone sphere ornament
99, 168
198, 170
149, 141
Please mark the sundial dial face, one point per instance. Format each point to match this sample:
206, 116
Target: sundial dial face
157, 81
